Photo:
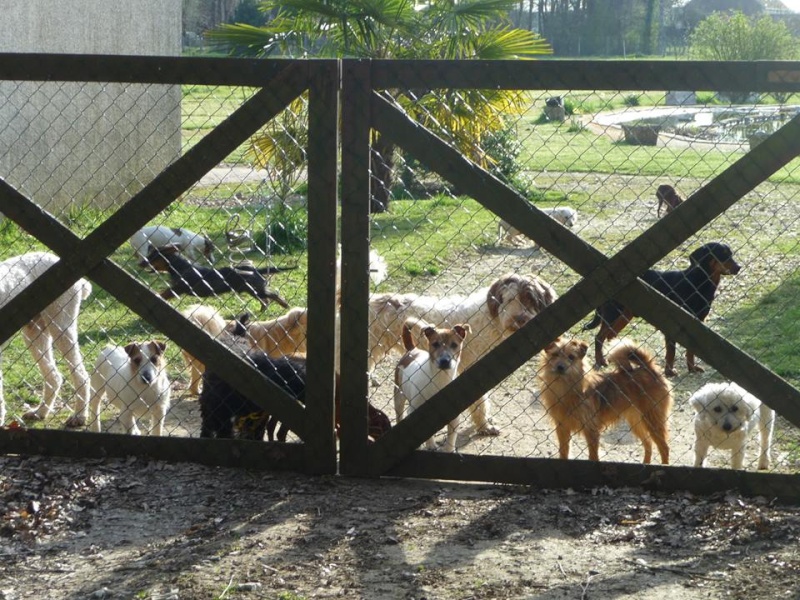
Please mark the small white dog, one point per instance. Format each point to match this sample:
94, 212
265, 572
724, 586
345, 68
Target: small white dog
55, 328
565, 215
726, 416
420, 374
194, 245
134, 379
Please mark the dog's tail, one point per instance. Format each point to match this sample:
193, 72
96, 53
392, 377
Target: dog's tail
273, 270
411, 331
86, 288
595, 322
626, 355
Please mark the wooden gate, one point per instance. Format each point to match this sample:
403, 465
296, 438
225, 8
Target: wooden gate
364, 107
603, 277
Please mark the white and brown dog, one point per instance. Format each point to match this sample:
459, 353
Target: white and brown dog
565, 215
192, 244
134, 379
726, 416
420, 374
55, 328
493, 314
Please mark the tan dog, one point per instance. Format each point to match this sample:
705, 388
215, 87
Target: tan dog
492, 313
581, 400
277, 337
420, 374
212, 322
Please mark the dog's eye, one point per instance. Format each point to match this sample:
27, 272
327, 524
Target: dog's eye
436, 345
734, 408
137, 360
454, 346
154, 360
717, 409
571, 356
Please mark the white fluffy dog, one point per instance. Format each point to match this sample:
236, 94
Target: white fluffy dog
194, 245
726, 416
492, 314
565, 215
134, 379
420, 374
56, 327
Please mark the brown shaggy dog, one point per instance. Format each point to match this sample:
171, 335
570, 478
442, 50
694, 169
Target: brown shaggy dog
581, 400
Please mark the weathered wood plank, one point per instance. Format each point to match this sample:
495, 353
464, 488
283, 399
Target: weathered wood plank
355, 264
546, 473
322, 211
212, 452
549, 74
147, 69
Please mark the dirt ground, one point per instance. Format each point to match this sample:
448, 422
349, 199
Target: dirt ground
129, 529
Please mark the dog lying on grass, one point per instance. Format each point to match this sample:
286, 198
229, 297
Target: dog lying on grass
565, 215
194, 280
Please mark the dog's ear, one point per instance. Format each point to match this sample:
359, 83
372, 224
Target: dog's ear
159, 346
132, 349
582, 348
462, 330
697, 403
429, 332
244, 318
552, 345
494, 298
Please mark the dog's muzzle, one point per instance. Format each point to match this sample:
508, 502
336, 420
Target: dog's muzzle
445, 362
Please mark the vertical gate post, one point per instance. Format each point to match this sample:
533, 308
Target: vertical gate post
320, 442
356, 89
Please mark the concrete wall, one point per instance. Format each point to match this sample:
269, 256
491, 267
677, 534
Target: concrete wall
73, 143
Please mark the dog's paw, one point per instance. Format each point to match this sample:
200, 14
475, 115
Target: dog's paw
696, 369
488, 429
75, 421
33, 415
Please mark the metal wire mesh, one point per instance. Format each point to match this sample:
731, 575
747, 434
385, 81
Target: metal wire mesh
600, 155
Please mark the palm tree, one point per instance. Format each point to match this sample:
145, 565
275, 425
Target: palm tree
380, 29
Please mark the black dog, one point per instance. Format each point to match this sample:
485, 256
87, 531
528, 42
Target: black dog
668, 197
692, 289
225, 412
195, 280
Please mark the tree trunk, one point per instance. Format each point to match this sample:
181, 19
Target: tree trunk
382, 174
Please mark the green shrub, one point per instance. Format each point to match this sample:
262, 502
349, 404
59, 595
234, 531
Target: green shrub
286, 231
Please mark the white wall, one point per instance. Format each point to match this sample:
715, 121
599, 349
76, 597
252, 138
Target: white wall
74, 143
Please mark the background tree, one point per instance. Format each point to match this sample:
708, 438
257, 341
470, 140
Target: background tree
439, 29
739, 37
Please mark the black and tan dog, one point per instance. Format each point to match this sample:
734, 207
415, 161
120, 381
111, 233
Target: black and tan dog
692, 289
194, 280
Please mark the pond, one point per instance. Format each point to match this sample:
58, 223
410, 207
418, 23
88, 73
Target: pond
719, 125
